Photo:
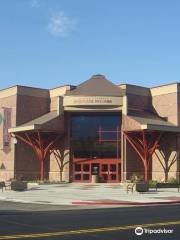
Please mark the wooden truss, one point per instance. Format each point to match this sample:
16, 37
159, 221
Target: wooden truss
144, 143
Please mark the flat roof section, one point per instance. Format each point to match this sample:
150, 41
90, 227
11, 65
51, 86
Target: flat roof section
7, 92
165, 89
23, 90
60, 91
134, 89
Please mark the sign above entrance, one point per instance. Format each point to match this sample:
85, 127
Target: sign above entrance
92, 101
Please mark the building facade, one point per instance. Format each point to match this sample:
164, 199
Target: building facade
70, 133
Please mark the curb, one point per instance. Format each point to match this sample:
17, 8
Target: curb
125, 203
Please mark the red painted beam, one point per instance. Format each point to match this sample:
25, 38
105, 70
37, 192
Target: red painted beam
40, 144
144, 143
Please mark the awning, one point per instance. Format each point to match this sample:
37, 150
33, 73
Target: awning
52, 122
135, 123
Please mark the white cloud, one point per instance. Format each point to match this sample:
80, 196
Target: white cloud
35, 4
60, 25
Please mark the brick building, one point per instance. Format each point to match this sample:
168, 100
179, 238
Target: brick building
70, 133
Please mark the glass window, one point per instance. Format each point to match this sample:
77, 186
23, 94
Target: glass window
86, 176
85, 137
86, 167
77, 167
77, 176
105, 177
113, 176
113, 167
104, 167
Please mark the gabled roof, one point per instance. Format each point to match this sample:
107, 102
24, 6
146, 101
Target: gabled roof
97, 85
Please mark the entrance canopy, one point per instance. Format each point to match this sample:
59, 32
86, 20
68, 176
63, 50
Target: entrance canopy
144, 135
51, 121
41, 134
148, 121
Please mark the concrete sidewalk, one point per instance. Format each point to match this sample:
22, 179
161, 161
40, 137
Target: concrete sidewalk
99, 195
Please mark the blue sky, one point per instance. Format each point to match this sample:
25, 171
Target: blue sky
47, 43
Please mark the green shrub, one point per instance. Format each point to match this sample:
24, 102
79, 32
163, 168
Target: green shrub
152, 183
173, 180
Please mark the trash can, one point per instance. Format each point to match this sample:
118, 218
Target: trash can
95, 173
19, 185
142, 186
94, 178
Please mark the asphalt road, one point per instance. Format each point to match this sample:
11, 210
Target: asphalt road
27, 221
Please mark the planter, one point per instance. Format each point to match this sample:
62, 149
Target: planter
18, 185
167, 185
142, 187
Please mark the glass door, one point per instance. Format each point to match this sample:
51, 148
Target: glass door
110, 172
82, 172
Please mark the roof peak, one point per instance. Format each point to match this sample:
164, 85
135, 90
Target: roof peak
97, 85
98, 76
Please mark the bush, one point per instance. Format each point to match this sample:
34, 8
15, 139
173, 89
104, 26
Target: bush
152, 183
173, 180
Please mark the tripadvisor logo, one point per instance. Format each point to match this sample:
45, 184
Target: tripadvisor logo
139, 231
